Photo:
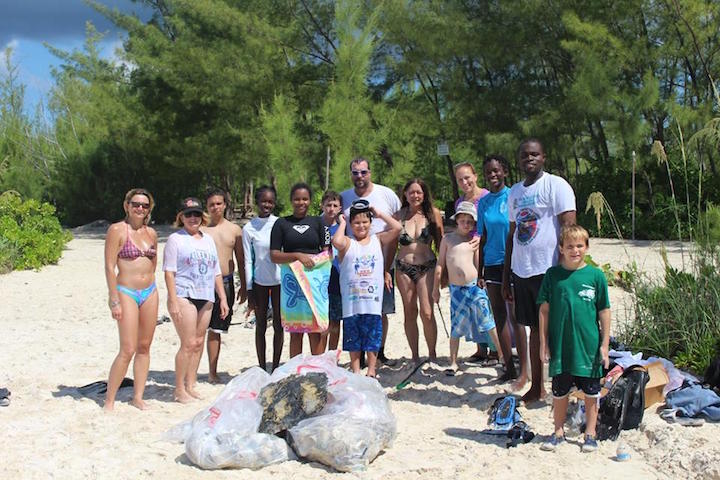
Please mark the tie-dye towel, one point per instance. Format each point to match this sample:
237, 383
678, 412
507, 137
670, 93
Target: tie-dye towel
304, 295
470, 313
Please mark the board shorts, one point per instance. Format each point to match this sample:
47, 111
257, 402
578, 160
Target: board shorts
561, 385
362, 333
217, 324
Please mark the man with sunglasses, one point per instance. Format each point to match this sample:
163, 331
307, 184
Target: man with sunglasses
383, 199
228, 241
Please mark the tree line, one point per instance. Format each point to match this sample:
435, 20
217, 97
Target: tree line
237, 93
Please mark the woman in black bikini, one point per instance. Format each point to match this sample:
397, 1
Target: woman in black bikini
421, 226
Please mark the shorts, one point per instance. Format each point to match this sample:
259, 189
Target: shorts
493, 273
388, 303
362, 333
561, 385
525, 293
217, 324
335, 307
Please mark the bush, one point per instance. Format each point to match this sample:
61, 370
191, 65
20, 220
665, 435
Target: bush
30, 234
678, 320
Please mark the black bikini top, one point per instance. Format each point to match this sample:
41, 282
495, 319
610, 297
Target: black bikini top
405, 239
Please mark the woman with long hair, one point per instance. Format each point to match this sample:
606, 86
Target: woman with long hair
415, 264
192, 273
130, 260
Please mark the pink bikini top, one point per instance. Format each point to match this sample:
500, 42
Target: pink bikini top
130, 251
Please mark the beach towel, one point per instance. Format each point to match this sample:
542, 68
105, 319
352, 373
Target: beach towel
470, 313
304, 295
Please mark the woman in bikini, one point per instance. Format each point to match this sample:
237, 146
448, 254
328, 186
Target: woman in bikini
415, 264
130, 260
192, 273
467, 181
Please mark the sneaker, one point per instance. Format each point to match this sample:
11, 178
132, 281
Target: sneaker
551, 443
590, 444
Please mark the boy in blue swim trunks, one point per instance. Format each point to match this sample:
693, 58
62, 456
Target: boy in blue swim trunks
362, 281
470, 313
574, 332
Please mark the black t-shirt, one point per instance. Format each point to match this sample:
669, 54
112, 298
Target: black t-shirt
304, 235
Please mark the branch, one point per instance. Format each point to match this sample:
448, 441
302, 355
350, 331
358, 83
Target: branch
317, 25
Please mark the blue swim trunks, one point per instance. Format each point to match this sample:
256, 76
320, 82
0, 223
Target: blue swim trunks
362, 333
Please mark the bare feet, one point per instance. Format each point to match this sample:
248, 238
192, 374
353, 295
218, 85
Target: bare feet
519, 384
531, 396
195, 393
213, 379
183, 397
108, 407
139, 404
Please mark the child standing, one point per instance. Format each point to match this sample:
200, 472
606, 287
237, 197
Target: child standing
362, 278
332, 206
470, 312
574, 332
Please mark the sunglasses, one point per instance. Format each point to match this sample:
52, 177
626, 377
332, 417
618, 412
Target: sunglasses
192, 214
145, 206
360, 173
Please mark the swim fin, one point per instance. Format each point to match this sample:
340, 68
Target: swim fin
100, 387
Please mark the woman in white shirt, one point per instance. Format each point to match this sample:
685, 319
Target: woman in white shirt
262, 275
192, 275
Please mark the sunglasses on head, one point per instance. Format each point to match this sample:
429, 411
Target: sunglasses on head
192, 214
360, 173
145, 206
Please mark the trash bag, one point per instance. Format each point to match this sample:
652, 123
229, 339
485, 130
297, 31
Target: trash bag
352, 428
355, 425
225, 434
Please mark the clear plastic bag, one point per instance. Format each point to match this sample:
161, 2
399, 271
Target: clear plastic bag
355, 425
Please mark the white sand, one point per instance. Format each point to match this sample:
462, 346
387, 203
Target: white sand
58, 334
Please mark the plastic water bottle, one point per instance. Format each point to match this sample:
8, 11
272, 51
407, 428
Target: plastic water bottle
622, 454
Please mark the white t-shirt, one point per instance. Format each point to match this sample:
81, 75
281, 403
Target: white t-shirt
362, 276
534, 210
380, 197
195, 263
256, 247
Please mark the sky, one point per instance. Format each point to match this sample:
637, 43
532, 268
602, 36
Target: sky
26, 24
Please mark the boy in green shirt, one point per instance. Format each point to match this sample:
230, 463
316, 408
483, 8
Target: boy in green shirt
574, 332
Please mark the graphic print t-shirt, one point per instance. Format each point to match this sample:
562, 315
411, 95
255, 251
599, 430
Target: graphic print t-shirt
575, 298
195, 263
534, 210
304, 235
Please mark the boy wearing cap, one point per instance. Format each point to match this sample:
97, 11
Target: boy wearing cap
470, 311
362, 281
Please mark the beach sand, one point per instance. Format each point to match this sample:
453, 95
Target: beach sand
58, 335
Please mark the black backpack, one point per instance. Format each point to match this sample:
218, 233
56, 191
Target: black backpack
623, 407
712, 374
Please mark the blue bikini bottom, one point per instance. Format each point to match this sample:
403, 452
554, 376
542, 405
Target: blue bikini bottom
138, 295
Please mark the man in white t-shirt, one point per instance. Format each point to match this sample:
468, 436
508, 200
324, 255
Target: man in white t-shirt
383, 199
538, 207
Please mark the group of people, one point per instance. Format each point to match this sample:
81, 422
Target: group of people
500, 264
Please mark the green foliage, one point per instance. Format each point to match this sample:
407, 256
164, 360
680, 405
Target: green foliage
30, 234
677, 319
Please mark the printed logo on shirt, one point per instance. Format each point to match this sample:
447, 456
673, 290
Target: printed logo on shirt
527, 201
364, 265
527, 225
301, 228
587, 293
503, 207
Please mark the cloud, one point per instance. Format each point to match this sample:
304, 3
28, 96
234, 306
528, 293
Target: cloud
53, 20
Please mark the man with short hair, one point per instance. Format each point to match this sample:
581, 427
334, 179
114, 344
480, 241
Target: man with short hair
228, 240
385, 200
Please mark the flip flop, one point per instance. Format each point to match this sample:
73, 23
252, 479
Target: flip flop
673, 415
450, 372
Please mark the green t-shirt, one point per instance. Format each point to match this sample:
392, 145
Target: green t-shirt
575, 298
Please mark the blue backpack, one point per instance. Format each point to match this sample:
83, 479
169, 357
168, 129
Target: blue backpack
503, 415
